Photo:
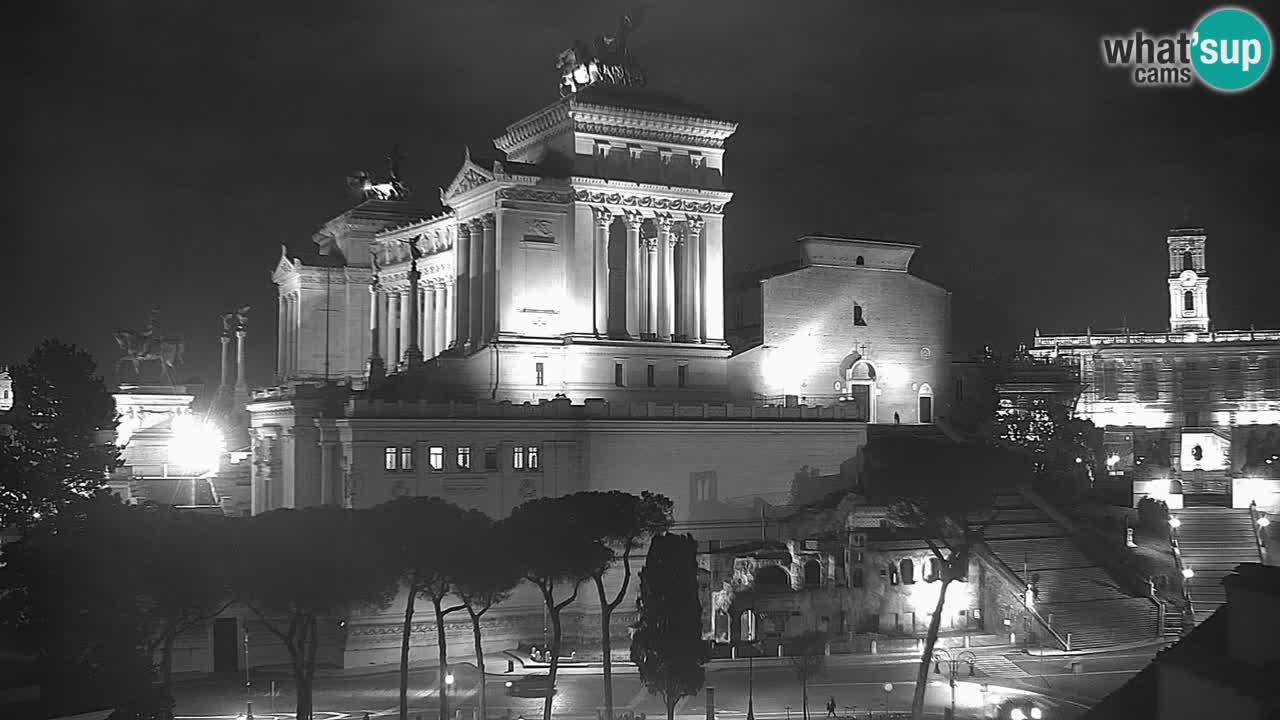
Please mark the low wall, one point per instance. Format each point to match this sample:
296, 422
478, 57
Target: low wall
1264, 491
1157, 490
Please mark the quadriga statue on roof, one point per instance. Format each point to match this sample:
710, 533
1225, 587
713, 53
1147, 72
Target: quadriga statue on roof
392, 188
607, 62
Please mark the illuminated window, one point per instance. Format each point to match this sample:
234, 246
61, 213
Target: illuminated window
648, 375
491, 458
406, 458
435, 457
389, 459
682, 375
464, 458
525, 457
907, 569
619, 375
540, 375
857, 315
1189, 301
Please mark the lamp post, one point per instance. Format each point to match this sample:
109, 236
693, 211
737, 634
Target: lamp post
448, 685
248, 688
754, 645
888, 688
953, 666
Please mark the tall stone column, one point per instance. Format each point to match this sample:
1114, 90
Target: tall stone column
224, 387
635, 271
475, 285
242, 385
693, 256
667, 280
393, 327
282, 339
450, 324
295, 326
600, 318
462, 287
410, 333
653, 287
429, 349
377, 370
489, 317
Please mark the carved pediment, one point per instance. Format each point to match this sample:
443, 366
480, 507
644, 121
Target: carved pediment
470, 176
284, 267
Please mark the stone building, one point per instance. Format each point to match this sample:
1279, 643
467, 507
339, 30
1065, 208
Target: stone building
1192, 410
559, 325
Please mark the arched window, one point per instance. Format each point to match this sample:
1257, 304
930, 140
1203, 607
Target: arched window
1188, 301
907, 570
772, 578
859, 261
934, 571
857, 316
925, 403
812, 574
1188, 260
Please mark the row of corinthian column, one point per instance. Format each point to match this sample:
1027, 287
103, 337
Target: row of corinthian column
654, 292
392, 330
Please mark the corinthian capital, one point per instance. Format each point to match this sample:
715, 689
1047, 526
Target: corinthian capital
664, 223
633, 219
603, 217
488, 221
693, 223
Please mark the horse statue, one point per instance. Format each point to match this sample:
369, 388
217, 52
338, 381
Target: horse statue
393, 188
141, 347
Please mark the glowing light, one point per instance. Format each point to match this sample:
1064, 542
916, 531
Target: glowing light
1017, 714
1264, 521
448, 678
789, 366
892, 375
196, 445
1112, 460
1188, 573
1175, 523
888, 687
1036, 713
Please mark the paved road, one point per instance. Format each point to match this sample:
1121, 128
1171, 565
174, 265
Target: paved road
1063, 692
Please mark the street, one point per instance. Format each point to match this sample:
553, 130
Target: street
857, 686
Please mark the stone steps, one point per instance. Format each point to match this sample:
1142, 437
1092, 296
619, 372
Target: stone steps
1212, 541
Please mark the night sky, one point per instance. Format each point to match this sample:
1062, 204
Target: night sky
160, 151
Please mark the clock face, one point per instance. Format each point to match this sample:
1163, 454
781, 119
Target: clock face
1188, 278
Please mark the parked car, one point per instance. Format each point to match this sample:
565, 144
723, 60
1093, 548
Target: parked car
531, 686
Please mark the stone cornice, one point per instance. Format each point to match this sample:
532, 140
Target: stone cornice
551, 119
533, 194
658, 127
651, 198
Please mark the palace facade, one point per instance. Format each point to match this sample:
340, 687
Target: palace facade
1192, 410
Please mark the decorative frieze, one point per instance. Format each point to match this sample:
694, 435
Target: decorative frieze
528, 194
649, 202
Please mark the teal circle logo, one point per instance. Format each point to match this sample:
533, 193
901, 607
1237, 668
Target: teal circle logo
1231, 49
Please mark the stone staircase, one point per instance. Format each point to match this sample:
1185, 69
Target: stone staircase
1075, 595
1212, 541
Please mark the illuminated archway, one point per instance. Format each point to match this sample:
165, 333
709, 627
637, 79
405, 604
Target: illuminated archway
924, 404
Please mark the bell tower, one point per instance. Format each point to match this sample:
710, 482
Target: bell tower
1188, 281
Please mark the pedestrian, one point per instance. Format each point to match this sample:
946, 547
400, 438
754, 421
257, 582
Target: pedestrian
897, 420
831, 707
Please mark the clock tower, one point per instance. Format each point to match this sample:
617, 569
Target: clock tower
1188, 281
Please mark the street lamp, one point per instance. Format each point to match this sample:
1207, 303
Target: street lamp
1188, 573
888, 688
448, 685
753, 644
953, 665
1175, 523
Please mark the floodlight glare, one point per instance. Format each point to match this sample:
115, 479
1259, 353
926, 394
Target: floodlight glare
1264, 521
1188, 573
1036, 713
196, 445
1175, 523
1017, 714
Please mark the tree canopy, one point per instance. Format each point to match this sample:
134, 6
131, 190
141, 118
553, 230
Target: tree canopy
63, 433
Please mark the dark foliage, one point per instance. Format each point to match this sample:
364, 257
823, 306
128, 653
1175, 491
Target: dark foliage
1153, 515
667, 645
62, 439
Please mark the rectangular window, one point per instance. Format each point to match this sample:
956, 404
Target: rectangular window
1148, 383
540, 376
1110, 386
682, 375
648, 375
531, 457
389, 459
517, 457
464, 458
406, 458
1271, 376
619, 375
491, 458
435, 456
1234, 389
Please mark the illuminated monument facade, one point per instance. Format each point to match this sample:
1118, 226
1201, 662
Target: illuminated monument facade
1190, 411
560, 325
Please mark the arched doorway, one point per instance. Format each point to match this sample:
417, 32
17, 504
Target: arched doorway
813, 574
860, 388
924, 402
772, 578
